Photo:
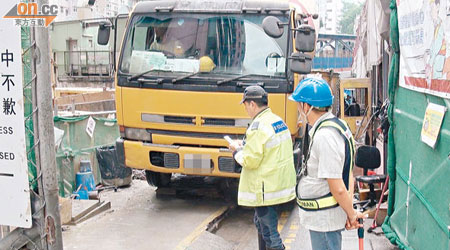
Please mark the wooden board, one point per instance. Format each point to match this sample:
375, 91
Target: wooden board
82, 207
86, 98
104, 206
65, 210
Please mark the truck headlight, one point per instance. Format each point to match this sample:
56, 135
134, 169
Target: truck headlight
138, 134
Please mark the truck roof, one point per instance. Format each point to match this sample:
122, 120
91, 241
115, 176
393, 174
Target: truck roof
213, 6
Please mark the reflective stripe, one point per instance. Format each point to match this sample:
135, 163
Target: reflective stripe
279, 194
328, 201
317, 204
246, 196
346, 132
286, 136
267, 130
276, 140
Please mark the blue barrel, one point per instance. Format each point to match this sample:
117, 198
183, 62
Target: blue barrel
85, 178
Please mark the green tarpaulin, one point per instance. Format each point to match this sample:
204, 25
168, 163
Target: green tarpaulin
78, 145
419, 190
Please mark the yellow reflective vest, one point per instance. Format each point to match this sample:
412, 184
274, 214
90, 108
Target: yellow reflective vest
268, 175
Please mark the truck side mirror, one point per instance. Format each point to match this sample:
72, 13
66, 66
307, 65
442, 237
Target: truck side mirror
305, 38
273, 27
104, 29
300, 63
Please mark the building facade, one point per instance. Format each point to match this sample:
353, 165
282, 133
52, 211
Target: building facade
83, 9
330, 12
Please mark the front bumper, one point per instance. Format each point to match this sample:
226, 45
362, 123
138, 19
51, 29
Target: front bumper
204, 161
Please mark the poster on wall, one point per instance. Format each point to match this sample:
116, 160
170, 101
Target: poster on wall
431, 126
424, 36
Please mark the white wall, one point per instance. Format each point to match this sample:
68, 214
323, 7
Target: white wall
329, 15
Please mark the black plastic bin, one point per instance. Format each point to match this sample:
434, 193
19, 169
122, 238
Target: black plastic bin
110, 170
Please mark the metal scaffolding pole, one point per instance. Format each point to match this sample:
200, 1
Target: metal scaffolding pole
39, 205
46, 137
19, 237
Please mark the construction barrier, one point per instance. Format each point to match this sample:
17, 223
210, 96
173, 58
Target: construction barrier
418, 207
81, 135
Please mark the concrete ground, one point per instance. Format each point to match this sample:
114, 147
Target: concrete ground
240, 231
139, 219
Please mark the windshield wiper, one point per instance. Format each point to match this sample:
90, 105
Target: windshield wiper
236, 78
185, 77
136, 76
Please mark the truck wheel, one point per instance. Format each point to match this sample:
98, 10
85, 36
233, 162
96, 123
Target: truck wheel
157, 179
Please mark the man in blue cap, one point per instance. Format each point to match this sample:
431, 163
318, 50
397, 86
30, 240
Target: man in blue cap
325, 188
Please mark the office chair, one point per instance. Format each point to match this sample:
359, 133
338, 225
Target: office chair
368, 158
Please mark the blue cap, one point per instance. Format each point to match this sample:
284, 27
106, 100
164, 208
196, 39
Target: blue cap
314, 91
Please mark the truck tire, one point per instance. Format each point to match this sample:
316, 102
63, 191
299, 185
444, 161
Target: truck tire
157, 179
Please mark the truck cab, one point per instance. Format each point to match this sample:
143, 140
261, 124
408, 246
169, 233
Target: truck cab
181, 73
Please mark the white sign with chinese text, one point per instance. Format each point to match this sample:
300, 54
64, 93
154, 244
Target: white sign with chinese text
15, 209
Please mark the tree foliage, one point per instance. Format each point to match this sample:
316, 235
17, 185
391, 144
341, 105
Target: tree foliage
350, 10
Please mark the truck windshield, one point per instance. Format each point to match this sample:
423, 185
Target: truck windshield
216, 45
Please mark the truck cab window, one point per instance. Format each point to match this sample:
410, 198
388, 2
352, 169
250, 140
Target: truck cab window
232, 45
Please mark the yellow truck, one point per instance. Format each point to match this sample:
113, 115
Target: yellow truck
181, 73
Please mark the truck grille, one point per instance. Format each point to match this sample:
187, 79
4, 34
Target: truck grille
167, 160
171, 160
191, 120
219, 122
226, 164
179, 119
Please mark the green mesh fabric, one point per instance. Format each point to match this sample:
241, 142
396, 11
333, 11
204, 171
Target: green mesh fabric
418, 204
77, 145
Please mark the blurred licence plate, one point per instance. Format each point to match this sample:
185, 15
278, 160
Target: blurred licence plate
197, 163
